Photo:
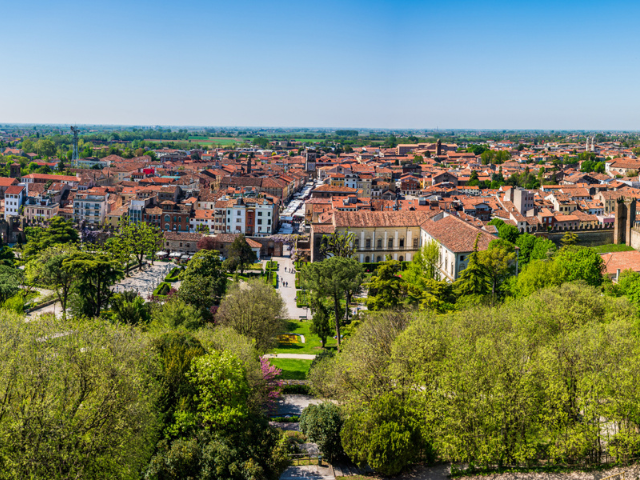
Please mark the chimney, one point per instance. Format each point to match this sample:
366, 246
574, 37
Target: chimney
617, 275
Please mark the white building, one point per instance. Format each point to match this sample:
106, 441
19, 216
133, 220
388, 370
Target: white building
91, 206
14, 197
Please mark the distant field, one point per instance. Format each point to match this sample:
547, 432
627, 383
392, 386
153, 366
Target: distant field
201, 140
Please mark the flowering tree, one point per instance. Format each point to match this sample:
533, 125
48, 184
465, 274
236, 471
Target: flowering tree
274, 386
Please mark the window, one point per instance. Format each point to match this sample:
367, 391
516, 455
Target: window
401, 242
401, 258
259, 221
357, 242
368, 243
415, 243
238, 212
167, 218
268, 222
391, 243
379, 244
259, 214
237, 220
366, 259
268, 214
378, 258
166, 226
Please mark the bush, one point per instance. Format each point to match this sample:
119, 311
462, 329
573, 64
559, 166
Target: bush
272, 265
274, 280
162, 290
322, 424
296, 389
174, 275
302, 299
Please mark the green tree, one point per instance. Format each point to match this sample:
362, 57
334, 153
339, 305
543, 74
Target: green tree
526, 243
240, 255
569, 239
95, 274
174, 314
543, 249
536, 275
384, 435
45, 148
386, 287
78, 399
332, 278
204, 282
130, 308
139, 239
10, 280
473, 280
58, 232
254, 309
580, 263
321, 324
49, 269
497, 261
509, 232
321, 424
339, 245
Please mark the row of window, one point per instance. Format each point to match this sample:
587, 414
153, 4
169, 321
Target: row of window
367, 243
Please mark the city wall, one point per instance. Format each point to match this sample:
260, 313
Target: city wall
588, 238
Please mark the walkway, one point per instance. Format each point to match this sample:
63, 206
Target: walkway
288, 293
297, 356
308, 472
145, 281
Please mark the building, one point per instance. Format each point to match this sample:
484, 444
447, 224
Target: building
14, 197
456, 239
42, 208
91, 206
523, 200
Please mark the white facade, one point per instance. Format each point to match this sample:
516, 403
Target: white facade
90, 208
13, 200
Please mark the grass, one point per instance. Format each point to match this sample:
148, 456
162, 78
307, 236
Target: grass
311, 346
292, 369
612, 247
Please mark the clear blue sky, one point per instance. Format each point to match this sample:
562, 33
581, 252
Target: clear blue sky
388, 64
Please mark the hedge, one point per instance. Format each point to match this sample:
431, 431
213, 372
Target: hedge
272, 265
173, 275
162, 290
299, 264
302, 299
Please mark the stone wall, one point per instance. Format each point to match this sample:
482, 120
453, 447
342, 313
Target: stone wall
635, 238
586, 238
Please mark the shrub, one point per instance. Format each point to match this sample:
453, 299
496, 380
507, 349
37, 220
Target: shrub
322, 424
272, 265
174, 275
162, 290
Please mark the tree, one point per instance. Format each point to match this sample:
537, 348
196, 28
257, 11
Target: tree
10, 281
332, 278
497, 262
321, 325
45, 148
208, 243
59, 231
78, 399
95, 274
240, 254
543, 249
49, 269
139, 239
425, 264
174, 314
473, 280
384, 435
580, 263
509, 232
255, 310
569, 239
321, 424
339, 245
204, 282
386, 287
128, 307
536, 275
526, 243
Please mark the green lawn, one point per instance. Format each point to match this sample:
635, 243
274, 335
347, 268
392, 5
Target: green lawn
292, 369
312, 344
612, 248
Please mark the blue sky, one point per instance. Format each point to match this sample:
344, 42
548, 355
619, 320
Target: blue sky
373, 64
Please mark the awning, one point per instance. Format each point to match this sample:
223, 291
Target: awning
175, 255
162, 254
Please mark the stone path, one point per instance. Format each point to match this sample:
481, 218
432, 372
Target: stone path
145, 281
298, 356
307, 472
294, 404
288, 293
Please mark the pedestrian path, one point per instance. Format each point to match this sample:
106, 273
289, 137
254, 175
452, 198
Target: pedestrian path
308, 472
298, 356
286, 276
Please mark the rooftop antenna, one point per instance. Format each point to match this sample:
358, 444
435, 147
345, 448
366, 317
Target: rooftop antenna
75, 157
